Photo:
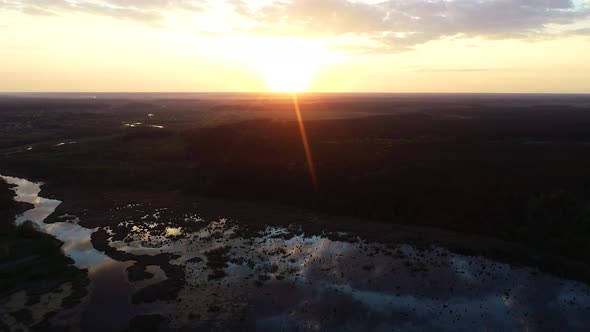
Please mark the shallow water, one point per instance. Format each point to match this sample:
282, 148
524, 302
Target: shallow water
281, 279
314, 283
109, 283
76, 239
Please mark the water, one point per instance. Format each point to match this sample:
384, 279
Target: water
109, 289
76, 239
280, 279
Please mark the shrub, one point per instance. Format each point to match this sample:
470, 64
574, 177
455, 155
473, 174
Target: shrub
28, 229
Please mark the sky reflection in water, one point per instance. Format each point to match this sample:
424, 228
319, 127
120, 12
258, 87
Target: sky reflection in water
313, 283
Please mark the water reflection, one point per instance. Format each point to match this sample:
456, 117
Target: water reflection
107, 305
310, 283
76, 239
65, 143
280, 279
173, 231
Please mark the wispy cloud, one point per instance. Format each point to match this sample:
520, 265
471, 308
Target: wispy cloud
386, 26
401, 24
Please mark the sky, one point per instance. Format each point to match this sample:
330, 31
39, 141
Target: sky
497, 46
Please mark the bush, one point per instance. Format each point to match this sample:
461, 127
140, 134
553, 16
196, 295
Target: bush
28, 229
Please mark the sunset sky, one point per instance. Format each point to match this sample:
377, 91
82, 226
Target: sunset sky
320, 45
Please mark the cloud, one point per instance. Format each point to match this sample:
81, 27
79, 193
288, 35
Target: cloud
402, 24
382, 26
582, 31
152, 12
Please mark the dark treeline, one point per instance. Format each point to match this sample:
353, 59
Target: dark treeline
520, 178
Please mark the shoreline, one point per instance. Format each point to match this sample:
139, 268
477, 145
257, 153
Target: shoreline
35, 265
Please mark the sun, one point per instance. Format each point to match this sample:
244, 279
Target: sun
288, 65
288, 75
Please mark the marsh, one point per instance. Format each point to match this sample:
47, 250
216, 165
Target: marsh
429, 212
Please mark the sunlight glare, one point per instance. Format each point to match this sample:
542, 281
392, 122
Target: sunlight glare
288, 65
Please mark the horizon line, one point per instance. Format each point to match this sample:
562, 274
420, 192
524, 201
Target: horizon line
290, 93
